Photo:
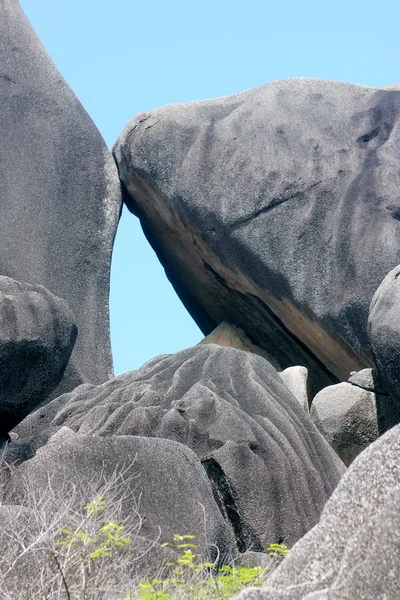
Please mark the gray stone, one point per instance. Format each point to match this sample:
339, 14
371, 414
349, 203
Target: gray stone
60, 193
353, 552
259, 204
157, 484
346, 416
270, 468
232, 337
37, 335
384, 332
364, 379
296, 380
252, 560
350, 417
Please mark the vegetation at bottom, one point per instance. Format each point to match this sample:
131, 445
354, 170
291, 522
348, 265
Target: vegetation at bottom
187, 577
92, 553
192, 579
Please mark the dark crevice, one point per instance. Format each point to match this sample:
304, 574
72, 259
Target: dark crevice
369, 389
216, 275
394, 211
272, 204
367, 137
226, 502
387, 413
7, 78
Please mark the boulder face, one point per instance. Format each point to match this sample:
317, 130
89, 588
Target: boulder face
353, 552
270, 469
296, 379
346, 415
384, 332
37, 335
274, 210
60, 193
152, 488
159, 485
353, 415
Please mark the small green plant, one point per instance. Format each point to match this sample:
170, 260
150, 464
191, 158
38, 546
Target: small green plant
188, 578
93, 539
278, 551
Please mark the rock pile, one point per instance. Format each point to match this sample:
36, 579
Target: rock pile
270, 469
258, 206
352, 415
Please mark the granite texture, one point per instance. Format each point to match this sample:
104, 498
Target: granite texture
60, 193
275, 210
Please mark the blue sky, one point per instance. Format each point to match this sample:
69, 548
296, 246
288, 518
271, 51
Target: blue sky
122, 57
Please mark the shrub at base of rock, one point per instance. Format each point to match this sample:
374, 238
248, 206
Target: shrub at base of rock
38, 561
270, 468
353, 552
160, 485
37, 335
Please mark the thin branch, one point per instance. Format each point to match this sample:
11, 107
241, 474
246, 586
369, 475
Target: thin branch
62, 576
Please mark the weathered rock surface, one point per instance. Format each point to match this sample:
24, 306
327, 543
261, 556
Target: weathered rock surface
60, 193
364, 379
37, 335
270, 468
296, 379
158, 484
384, 332
353, 552
259, 204
346, 416
351, 417
229, 336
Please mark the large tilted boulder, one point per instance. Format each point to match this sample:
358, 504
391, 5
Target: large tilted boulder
353, 553
271, 470
37, 335
156, 485
60, 193
274, 210
384, 332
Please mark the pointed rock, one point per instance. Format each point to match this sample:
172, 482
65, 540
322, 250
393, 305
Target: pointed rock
60, 193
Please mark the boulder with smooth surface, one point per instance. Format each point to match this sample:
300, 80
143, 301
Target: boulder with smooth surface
353, 552
384, 332
259, 206
351, 417
157, 485
37, 335
296, 379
